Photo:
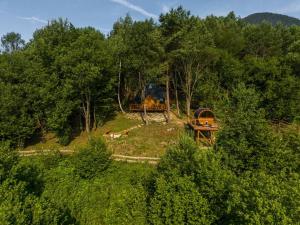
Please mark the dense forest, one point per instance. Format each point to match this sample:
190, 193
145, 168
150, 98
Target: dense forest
273, 18
68, 79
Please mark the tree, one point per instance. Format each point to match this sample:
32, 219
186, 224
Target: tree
86, 64
276, 85
19, 97
262, 40
8, 158
48, 46
12, 42
171, 24
194, 56
245, 136
188, 163
177, 201
119, 44
258, 198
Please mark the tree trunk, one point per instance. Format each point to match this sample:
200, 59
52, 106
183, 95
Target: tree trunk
176, 93
168, 98
119, 88
87, 113
95, 119
188, 107
177, 102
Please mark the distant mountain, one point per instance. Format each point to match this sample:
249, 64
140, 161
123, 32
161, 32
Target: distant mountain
273, 18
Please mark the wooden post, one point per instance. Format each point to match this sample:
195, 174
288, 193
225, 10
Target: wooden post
168, 97
145, 114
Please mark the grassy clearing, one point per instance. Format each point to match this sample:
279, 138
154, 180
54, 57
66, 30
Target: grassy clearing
151, 140
119, 123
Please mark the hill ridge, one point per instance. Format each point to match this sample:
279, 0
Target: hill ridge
272, 18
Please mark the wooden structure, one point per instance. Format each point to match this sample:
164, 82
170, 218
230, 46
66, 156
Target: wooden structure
150, 105
204, 125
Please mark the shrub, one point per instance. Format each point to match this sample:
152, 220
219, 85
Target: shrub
177, 201
245, 137
8, 158
258, 198
92, 160
203, 168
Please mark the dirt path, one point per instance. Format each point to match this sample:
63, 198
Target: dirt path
116, 157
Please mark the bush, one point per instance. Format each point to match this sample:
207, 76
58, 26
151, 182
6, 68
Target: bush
245, 138
8, 158
176, 200
258, 198
204, 170
16, 205
92, 160
64, 136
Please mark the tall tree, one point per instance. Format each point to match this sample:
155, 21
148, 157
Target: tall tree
12, 41
86, 64
245, 137
194, 56
119, 44
171, 25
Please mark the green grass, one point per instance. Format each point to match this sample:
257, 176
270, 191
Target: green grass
151, 140
119, 123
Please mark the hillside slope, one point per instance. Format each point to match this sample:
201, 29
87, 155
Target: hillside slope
272, 18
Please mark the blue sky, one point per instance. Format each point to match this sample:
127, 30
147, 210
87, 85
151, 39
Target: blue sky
25, 16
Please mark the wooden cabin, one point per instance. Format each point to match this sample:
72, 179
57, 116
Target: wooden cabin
154, 101
150, 104
204, 125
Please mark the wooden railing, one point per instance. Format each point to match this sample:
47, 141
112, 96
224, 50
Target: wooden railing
151, 108
199, 122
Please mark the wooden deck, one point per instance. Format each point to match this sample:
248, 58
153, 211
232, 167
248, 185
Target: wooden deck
203, 132
203, 127
152, 108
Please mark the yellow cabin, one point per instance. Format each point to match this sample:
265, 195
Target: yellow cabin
149, 104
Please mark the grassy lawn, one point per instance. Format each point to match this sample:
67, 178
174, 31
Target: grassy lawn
151, 140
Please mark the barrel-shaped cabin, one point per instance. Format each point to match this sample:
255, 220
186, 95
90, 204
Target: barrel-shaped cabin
204, 125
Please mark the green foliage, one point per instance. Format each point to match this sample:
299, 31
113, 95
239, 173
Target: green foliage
289, 150
12, 41
16, 205
64, 135
30, 174
17, 110
64, 81
262, 199
273, 18
177, 201
245, 137
278, 88
200, 168
116, 197
8, 158
92, 160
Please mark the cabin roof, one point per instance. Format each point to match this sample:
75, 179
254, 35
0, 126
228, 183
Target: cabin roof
200, 112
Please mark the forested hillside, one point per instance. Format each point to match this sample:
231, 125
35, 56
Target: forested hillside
68, 80
273, 18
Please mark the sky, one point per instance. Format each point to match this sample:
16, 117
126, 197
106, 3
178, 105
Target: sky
25, 16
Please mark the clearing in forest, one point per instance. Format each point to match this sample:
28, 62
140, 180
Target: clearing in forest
125, 135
